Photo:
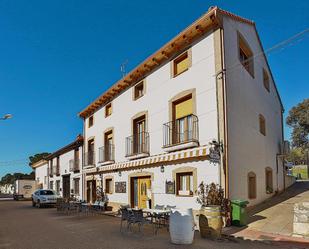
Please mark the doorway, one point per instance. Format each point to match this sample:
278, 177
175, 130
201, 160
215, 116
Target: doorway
139, 191
91, 191
66, 186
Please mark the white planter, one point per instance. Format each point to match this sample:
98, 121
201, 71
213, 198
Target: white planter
182, 226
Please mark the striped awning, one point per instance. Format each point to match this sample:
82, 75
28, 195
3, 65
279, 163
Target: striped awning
201, 151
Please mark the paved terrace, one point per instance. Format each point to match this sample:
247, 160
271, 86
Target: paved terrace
25, 227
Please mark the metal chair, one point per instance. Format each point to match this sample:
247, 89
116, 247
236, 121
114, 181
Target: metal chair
125, 217
138, 219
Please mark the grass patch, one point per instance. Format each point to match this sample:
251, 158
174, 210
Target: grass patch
300, 170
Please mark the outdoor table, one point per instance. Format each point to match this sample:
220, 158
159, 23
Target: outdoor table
159, 217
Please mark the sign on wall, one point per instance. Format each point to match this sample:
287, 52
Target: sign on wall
120, 187
169, 187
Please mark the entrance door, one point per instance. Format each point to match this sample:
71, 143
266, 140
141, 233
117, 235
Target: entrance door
143, 185
66, 186
91, 191
139, 186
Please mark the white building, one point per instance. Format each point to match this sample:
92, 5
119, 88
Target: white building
63, 170
148, 136
41, 173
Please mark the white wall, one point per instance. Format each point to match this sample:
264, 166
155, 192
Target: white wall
249, 150
64, 160
160, 88
41, 175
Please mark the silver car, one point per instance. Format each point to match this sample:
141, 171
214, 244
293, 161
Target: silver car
44, 197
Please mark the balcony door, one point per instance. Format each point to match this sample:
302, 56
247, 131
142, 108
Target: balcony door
108, 144
182, 120
139, 129
90, 152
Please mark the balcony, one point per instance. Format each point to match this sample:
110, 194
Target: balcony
89, 159
181, 133
56, 170
107, 154
137, 145
74, 165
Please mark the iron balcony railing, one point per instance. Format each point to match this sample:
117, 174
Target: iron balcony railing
74, 165
50, 172
89, 158
137, 144
106, 153
56, 170
179, 131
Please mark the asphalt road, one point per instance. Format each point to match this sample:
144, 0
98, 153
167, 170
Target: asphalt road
25, 227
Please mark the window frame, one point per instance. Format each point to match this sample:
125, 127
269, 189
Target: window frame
76, 180
269, 185
247, 51
266, 80
109, 105
262, 124
178, 178
184, 55
250, 195
135, 97
90, 121
109, 180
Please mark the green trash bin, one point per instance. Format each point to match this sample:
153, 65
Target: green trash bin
239, 213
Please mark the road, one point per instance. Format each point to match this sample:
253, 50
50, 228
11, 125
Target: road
25, 227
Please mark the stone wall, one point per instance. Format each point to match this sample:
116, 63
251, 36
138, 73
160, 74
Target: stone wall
301, 220
289, 180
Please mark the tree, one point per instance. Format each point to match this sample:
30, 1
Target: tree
37, 157
296, 156
298, 120
11, 178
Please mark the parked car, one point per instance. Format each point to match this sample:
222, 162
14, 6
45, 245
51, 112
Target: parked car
44, 197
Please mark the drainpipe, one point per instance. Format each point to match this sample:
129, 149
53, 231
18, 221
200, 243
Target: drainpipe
82, 163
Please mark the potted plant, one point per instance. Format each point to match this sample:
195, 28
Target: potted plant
212, 201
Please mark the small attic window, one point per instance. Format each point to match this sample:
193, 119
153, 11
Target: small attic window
108, 110
139, 90
266, 80
245, 55
90, 121
181, 64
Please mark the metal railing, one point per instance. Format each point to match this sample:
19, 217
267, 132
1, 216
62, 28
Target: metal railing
74, 165
179, 131
137, 144
107, 153
89, 158
50, 172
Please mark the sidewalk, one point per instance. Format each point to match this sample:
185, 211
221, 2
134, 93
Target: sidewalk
273, 220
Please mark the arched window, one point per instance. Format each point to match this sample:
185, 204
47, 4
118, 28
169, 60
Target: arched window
269, 180
251, 185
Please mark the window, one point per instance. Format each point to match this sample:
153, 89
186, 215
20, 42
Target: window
58, 186
109, 186
245, 55
269, 180
108, 146
182, 118
51, 185
90, 121
181, 64
76, 186
139, 90
251, 185
108, 110
266, 80
262, 124
184, 184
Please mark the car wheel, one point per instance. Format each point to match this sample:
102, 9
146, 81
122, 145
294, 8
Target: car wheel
33, 203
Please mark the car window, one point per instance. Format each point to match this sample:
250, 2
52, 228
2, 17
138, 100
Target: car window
37, 192
46, 192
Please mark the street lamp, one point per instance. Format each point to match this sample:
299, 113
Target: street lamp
6, 116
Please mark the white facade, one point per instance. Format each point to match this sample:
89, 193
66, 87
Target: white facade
41, 174
66, 161
249, 150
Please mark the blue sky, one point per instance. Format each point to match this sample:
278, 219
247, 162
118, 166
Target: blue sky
57, 56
